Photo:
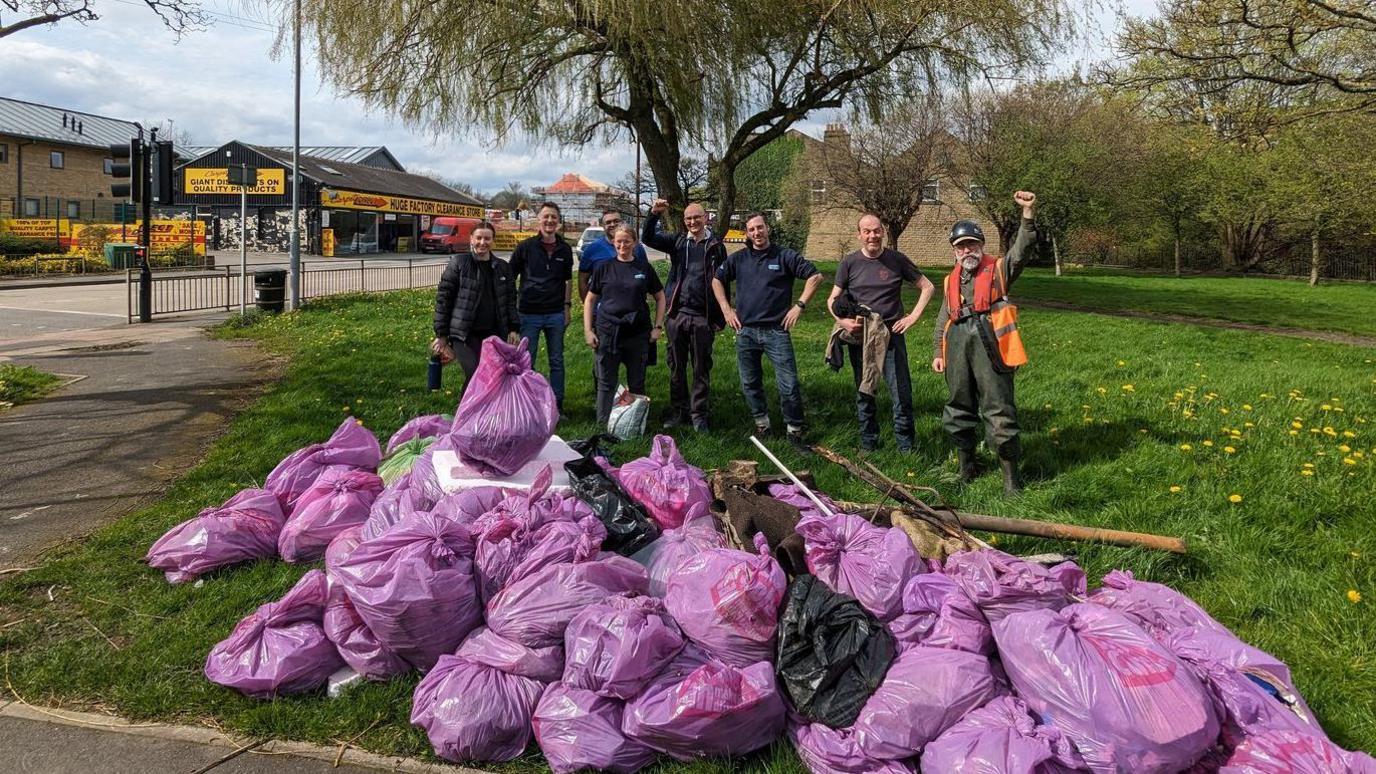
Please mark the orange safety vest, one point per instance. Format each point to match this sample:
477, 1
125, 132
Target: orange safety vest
991, 298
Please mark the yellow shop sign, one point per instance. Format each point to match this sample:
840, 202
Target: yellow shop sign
357, 200
216, 181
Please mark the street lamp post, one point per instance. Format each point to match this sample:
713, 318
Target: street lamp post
295, 262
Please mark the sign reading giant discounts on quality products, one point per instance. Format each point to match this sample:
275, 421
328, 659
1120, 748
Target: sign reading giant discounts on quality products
357, 200
216, 181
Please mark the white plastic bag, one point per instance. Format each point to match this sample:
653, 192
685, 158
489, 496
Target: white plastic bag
629, 413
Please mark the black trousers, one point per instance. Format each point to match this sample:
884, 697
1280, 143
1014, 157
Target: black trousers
466, 353
632, 350
690, 344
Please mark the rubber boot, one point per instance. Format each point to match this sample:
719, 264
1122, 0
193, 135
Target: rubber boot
1012, 482
969, 465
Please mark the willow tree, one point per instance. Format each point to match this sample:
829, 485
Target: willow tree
719, 77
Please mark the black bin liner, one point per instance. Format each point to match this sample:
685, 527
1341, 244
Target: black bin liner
629, 529
832, 653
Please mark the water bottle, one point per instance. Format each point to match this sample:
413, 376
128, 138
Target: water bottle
435, 373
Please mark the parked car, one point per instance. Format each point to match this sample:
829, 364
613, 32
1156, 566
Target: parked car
589, 236
447, 235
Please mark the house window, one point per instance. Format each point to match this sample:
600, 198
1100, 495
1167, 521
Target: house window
109, 166
819, 191
30, 208
73, 210
978, 193
55, 160
4, 153
931, 192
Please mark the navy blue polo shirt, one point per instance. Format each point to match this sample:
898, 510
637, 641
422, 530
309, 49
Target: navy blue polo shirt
622, 290
764, 282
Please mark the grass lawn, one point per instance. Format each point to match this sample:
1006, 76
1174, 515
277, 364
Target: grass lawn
21, 384
1284, 303
1128, 424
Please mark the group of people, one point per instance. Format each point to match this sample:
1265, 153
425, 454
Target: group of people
977, 344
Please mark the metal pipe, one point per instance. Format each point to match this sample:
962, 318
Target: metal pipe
801, 486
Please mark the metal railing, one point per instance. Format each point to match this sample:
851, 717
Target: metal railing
221, 290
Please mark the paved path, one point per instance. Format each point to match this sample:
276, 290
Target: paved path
42, 741
143, 406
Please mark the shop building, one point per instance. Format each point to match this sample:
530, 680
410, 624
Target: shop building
346, 207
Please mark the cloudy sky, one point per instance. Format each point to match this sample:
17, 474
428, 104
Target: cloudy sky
222, 84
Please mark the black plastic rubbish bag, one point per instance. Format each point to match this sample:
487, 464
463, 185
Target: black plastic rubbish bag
599, 445
629, 529
832, 653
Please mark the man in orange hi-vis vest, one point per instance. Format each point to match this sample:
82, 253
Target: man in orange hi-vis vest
978, 346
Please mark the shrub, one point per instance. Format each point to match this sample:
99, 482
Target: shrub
13, 245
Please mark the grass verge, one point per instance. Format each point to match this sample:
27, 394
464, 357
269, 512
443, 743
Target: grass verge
21, 384
1128, 424
1282, 303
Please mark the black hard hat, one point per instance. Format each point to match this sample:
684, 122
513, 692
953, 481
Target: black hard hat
966, 229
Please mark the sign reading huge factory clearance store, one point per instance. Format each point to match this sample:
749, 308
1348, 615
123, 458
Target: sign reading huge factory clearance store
216, 181
356, 200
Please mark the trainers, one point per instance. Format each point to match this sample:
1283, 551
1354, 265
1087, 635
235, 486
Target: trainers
795, 437
867, 445
762, 428
700, 425
673, 420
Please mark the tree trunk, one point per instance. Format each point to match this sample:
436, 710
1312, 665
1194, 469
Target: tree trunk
726, 197
1056, 254
1315, 259
895, 231
1177, 256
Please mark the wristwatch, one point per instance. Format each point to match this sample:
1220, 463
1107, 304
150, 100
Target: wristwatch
800, 304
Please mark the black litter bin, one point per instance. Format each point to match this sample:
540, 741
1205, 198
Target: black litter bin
270, 289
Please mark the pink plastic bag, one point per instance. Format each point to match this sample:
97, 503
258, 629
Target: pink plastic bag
357, 644
715, 711
937, 613
826, 750
663, 556
579, 730
665, 484
925, 692
337, 500
536, 609
1001, 738
1159, 609
507, 414
474, 712
853, 557
1126, 702
486, 647
788, 493
1234, 673
616, 647
423, 476
413, 586
424, 426
1001, 584
466, 506
1295, 752
395, 503
728, 602
351, 446
280, 648
244, 528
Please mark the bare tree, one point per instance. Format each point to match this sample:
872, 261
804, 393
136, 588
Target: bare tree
179, 16
884, 166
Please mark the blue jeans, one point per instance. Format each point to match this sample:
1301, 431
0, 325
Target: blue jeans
899, 381
553, 326
752, 342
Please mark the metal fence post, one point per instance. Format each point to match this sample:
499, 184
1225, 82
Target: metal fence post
128, 296
410, 271
362, 277
229, 292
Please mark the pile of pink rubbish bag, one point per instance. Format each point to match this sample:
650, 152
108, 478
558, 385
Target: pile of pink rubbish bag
525, 629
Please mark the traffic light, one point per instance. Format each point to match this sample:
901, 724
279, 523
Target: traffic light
161, 160
129, 164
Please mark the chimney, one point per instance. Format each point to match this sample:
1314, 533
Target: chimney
64, 120
81, 127
837, 134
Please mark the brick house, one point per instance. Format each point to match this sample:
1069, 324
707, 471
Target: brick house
581, 200
53, 161
831, 234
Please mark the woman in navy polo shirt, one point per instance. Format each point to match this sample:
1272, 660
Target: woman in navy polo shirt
621, 332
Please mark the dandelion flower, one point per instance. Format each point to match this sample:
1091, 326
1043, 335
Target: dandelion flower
1297, 424
1128, 388
1234, 498
1326, 407
1208, 443
1121, 363
346, 409
1349, 461
1306, 472
1354, 596
1309, 464
1344, 448
1246, 407
1175, 489
1185, 447
1349, 434
1229, 449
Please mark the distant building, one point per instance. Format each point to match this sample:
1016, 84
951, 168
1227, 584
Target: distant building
54, 161
831, 234
583, 201
347, 208
368, 155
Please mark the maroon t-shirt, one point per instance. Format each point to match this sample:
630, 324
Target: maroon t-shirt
877, 282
